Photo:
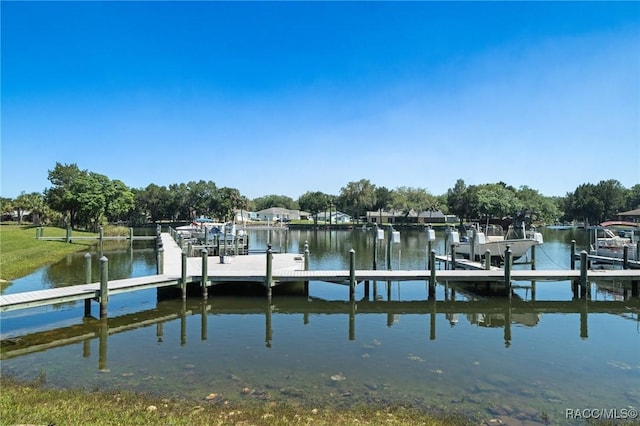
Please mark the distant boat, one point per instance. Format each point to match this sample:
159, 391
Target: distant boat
562, 227
494, 239
608, 243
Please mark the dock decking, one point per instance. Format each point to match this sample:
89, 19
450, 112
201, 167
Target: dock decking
285, 267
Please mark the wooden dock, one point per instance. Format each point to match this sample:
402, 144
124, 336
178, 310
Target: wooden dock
177, 270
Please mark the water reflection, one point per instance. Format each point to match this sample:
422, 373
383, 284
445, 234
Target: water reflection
493, 313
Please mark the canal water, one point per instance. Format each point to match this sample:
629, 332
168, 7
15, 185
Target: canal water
485, 357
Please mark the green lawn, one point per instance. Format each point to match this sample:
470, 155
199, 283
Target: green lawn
21, 253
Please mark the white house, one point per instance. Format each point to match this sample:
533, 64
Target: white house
280, 214
335, 216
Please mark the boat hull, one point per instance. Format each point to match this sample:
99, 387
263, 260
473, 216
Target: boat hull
497, 248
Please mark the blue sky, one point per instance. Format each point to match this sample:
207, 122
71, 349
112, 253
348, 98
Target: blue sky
287, 97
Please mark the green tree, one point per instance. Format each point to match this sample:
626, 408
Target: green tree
314, 203
633, 198
358, 197
61, 197
536, 207
227, 201
460, 200
273, 200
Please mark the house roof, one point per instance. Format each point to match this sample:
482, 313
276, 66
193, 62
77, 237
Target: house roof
635, 212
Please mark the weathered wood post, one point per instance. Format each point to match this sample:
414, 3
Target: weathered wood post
104, 286
131, 237
625, 257
101, 234
487, 260
160, 263
375, 249
87, 280
205, 272
583, 273
237, 245
432, 274
472, 246
183, 275
637, 251
352, 275
269, 278
507, 269
453, 256
533, 257
68, 237
573, 255
389, 252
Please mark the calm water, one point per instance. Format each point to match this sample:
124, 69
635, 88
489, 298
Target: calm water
486, 357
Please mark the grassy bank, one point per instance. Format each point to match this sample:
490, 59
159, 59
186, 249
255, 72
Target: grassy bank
21, 253
32, 403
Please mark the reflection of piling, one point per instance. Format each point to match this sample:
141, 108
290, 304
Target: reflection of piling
507, 324
102, 351
352, 321
268, 335
584, 330
104, 286
203, 320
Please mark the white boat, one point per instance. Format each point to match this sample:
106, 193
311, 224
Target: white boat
494, 239
607, 243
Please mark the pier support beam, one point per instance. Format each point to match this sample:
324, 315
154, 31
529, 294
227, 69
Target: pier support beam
104, 286
487, 260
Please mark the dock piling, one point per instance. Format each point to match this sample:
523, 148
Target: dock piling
205, 277
432, 274
507, 269
183, 275
352, 275
269, 278
583, 272
104, 286
87, 280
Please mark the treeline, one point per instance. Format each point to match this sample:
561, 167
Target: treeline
81, 198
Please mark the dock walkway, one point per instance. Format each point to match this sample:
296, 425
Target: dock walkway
285, 267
